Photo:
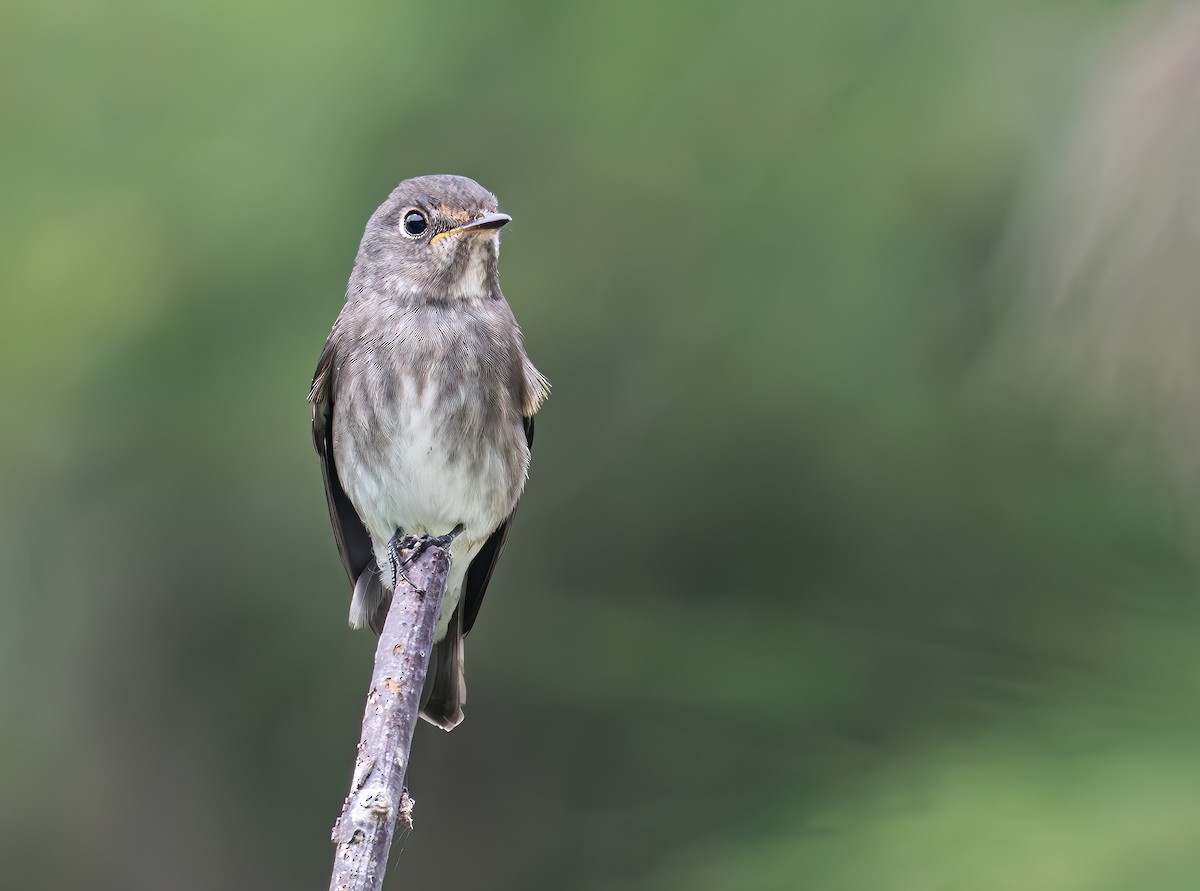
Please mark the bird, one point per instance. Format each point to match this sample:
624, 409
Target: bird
423, 403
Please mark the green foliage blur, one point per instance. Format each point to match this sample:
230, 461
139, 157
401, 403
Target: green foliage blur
807, 590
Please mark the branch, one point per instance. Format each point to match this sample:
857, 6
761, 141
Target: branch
363, 832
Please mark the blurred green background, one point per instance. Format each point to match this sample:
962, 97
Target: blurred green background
825, 578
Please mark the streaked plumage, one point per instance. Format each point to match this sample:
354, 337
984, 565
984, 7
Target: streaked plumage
423, 404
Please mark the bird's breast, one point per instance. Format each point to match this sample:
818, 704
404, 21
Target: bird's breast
428, 434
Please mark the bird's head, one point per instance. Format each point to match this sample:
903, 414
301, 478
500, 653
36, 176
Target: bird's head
434, 238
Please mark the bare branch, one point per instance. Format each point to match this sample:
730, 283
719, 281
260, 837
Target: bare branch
363, 832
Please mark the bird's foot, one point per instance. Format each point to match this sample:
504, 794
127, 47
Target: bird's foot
397, 545
403, 550
440, 541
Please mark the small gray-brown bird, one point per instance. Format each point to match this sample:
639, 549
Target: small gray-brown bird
423, 404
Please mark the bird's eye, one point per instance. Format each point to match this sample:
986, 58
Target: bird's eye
415, 223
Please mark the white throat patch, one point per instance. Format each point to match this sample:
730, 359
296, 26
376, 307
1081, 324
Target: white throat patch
473, 284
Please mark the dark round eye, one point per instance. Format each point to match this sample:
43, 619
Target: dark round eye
415, 223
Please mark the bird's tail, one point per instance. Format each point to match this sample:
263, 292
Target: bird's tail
445, 691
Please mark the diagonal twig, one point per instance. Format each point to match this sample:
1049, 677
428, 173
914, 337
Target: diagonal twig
363, 832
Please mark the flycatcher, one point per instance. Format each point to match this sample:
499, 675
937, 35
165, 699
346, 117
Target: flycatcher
423, 403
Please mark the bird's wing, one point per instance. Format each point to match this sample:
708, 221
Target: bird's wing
479, 573
353, 541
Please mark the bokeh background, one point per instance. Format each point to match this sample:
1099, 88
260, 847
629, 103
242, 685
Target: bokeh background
860, 546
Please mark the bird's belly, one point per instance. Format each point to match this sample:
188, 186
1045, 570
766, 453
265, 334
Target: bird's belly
423, 491
423, 467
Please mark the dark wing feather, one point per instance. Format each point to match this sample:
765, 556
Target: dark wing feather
479, 573
353, 541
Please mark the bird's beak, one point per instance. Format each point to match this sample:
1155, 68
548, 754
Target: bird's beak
479, 224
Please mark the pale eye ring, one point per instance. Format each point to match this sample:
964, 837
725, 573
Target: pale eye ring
414, 224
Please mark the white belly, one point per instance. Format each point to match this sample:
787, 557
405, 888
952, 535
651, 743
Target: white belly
405, 465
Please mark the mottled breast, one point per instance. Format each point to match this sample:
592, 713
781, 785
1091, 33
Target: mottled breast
427, 421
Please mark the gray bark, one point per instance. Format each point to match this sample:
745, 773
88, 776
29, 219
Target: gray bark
363, 832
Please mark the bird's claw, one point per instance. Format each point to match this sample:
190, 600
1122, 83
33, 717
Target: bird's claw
403, 550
